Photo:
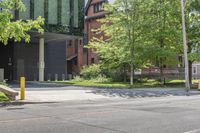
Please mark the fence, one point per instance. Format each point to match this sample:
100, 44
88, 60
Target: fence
168, 74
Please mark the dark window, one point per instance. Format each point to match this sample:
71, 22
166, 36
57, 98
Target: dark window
76, 46
92, 60
75, 62
98, 7
85, 50
194, 70
70, 43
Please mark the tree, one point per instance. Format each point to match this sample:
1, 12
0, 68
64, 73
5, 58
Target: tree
16, 29
123, 27
147, 32
193, 30
163, 33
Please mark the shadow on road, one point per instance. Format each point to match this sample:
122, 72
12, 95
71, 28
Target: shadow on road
30, 84
127, 93
20, 103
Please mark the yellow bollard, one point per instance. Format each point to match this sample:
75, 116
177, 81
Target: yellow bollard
199, 85
22, 88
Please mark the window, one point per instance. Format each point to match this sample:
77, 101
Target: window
194, 70
75, 62
92, 60
70, 43
98, 7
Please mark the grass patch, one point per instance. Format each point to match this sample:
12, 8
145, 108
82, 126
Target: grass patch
183, 81
3, 97
141, 84
97, 84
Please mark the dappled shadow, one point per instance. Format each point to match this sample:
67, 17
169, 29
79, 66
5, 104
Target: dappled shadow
21, 103
139, 93
43, 86
36, 85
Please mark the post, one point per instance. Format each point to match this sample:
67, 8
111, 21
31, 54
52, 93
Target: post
41, 59
187, 84
22, 88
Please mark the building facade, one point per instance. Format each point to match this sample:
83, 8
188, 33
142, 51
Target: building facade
94, 11
55, 55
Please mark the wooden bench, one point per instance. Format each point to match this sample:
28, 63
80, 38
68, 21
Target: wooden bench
9, 92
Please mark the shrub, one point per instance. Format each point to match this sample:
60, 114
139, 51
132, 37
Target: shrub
90, 72
3, 97
101, 79
78, 79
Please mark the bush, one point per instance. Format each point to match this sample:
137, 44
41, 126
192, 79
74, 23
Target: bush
93, 73
98, 79
3, 83
78, 79
90, 72
3, 97
101, 79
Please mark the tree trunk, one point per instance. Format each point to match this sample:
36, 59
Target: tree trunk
162, 78
190, 63
131, 76
190, 72
124, 74
161, 75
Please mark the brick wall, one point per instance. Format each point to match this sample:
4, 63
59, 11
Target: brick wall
75, 56
90, 25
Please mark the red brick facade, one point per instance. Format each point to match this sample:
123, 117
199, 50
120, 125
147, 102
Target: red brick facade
91, 24
76, 57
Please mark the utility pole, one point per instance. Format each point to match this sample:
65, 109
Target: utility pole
187, 84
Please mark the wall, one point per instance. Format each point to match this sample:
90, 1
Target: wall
6, 59
26, 61
90, 25
55, 60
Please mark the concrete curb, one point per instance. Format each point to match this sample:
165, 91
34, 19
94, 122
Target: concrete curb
9, 92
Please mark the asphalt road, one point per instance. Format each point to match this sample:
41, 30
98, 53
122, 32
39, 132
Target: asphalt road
169, 114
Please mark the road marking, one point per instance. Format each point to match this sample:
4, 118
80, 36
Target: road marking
193, 131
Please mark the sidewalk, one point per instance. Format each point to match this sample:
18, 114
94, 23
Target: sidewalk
46, 92
98, 94
63, 95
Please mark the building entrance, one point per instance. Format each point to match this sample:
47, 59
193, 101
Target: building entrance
6, 60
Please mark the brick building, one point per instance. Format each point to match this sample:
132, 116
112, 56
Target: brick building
94, 11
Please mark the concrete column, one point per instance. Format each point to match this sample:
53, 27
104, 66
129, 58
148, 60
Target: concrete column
41, 59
